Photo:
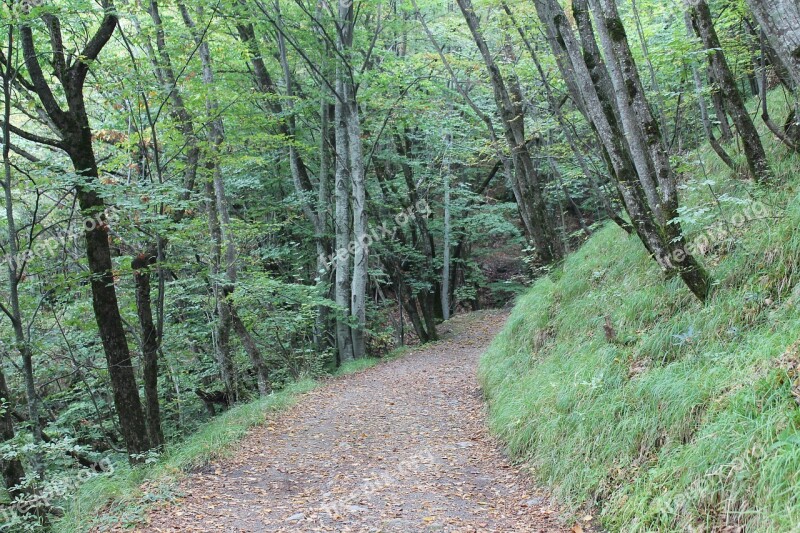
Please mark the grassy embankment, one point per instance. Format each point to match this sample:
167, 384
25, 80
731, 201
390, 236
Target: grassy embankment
685, 416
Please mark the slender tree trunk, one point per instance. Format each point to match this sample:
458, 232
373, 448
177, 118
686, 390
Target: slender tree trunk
150, 346
222, 323
325, 328
256, 359
703, 25
703, 108
228, 317
13, 471
445, 291
162, 65
342, 252
13, 263
327, 141
358, 304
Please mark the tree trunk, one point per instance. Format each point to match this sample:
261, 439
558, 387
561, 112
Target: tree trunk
780, 20
635, 110
73, 125
607, 76
348, 123
256, 358
587, 70
358, 304
15, 269
703, 108
327, 141
106, 308
150, 341
445, 291
13, 472
703, 25
222, 323
344, 337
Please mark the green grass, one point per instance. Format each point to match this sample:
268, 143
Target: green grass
124, 496
686, 420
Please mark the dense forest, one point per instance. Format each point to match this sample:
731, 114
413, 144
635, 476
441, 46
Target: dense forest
207, 202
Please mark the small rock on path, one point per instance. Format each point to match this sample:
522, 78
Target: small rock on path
401, 447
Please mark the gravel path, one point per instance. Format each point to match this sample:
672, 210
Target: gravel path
401, 447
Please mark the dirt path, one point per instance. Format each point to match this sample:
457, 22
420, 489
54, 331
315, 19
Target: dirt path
401, 447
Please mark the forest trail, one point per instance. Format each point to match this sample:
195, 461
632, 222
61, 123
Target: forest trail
401, 447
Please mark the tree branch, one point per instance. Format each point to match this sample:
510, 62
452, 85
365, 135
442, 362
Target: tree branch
40, 85
33, 137
96, 43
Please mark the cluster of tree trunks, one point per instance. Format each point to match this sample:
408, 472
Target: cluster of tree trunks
611, 96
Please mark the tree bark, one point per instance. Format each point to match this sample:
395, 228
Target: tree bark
780, 20
344, 338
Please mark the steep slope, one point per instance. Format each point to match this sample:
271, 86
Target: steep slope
617, 387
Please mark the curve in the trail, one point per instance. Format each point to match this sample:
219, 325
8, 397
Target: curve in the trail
401, 447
